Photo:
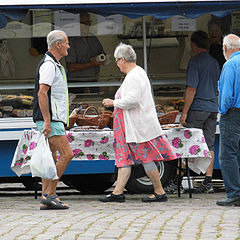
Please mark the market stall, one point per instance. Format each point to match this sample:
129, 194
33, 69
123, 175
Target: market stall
159, 30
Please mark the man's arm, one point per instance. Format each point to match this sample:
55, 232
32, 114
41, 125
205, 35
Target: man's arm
189, 96
72, 67
44, 107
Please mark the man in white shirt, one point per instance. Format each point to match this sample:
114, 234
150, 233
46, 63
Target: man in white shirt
51, 112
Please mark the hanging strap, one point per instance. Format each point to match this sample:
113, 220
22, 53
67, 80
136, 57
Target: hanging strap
66, 95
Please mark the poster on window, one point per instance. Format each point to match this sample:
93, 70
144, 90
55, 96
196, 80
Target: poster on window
109, 25
16, 29
235, 17
67, 22
182, 24
41, 23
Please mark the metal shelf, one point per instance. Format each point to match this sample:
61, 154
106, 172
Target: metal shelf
156, 36
92, 84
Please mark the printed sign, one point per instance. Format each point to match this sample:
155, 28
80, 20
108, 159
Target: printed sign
235, 22
41, 23
182, 24
109, 25
67, 22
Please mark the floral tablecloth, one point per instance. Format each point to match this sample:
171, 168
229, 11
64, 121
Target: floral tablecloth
98, 145
190, 143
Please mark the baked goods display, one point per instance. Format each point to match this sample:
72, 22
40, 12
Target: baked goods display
84, 128
177, 105
16, 106
166, 117
170, 126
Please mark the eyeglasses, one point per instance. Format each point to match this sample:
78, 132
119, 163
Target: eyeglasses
117, 59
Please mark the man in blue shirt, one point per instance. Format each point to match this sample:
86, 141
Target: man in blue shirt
200, 103
229, 107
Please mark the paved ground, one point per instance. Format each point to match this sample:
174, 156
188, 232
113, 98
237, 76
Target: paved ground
87, 218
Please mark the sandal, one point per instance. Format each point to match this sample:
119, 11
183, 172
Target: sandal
44, 206
51, 202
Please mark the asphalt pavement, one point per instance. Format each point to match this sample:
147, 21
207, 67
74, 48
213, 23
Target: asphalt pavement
87, 218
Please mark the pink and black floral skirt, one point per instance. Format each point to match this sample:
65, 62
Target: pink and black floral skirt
127, 154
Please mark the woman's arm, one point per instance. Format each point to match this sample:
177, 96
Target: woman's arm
130, 94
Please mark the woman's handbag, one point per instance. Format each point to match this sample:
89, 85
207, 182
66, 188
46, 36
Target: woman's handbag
42, 164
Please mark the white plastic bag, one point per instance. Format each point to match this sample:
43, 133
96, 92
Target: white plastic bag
42, 164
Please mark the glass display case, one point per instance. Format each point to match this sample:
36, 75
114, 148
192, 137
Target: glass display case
23, 44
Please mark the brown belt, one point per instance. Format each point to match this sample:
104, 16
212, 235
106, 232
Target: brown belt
235, 109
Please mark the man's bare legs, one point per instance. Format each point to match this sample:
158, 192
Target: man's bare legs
46, 182
60, 144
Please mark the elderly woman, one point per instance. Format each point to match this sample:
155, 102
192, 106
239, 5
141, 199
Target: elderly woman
138, 136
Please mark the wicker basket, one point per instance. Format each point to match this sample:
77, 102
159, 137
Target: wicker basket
74, 115
168, 118
100, 120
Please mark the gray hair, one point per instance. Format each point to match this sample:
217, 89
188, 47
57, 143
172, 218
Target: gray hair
231, 41
125, 51
55, 36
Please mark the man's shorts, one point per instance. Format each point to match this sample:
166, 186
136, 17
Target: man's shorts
205, 121
57, 128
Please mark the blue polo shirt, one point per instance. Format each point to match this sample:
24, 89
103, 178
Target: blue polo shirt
229, 84
203, 74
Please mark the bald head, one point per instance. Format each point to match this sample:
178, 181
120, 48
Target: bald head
231, 44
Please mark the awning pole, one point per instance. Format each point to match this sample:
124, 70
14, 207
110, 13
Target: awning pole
144, 43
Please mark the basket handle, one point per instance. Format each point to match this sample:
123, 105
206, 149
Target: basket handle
160, 107
88, 109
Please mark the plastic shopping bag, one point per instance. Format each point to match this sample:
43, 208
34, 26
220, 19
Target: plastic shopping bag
42, 164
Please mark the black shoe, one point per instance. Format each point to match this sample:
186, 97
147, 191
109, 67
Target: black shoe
205, 188
172, 187
237, 204
229, 202
113, 198
156, 198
